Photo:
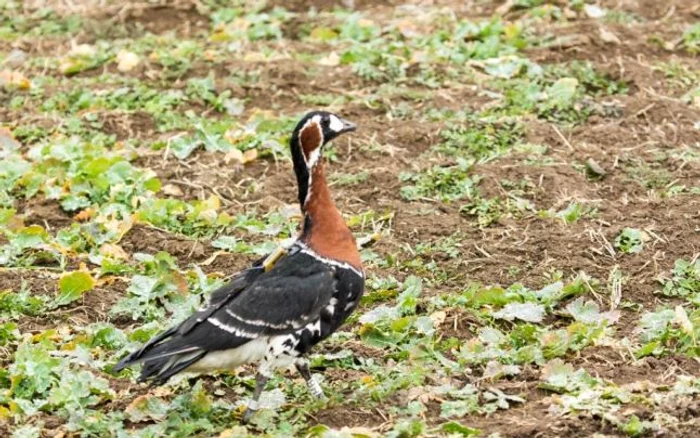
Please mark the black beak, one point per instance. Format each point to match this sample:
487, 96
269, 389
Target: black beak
347, 126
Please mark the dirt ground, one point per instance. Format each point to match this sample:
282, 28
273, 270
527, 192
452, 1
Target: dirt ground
652, 119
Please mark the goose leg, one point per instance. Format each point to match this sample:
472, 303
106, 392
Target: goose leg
313, 385
260, 382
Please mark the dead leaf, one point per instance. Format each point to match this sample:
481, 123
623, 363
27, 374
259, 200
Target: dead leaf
233, 155
608, 37
113, 251
15, 58
408, 28
249, 155
505, 7
331, 60
172, 190
421, 393
162, 391
683, 320
210, 55
438, 318
127, 61
594, 168
84, 215
12, 79
236, 431
86, 50
211, 259
7, 141
419, 56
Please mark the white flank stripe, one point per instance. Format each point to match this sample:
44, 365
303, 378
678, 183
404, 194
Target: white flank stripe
231, 329
257, 322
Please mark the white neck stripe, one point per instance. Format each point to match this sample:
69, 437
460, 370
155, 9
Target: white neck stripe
315, 154
344, 265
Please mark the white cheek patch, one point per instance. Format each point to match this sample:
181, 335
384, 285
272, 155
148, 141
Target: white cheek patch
336, 125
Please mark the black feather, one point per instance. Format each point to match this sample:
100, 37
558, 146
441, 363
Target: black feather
254, 304
217, 299
153, 370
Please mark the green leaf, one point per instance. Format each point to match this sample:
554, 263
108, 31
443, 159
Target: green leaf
557, 373
376, 337
408, 299
550, 293
630, 241
453, 427
27, 431
589, 312
182, 147
634, 427
494, 296
562, 92
32, 236
73, 286
467, 402
97, 166
33, 371
529, 312
648, 349
6, 214
323, 34
146, 408
655, 325
152, 185
8, 333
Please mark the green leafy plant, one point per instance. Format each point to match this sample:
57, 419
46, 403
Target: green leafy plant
684, 280
691, 38
668, 331
72, 286
630, 241
443, 183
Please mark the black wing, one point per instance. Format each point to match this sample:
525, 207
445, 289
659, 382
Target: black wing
255, 304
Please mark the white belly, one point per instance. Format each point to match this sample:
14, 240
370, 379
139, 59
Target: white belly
253, 351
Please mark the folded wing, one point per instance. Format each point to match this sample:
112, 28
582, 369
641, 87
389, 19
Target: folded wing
254, 305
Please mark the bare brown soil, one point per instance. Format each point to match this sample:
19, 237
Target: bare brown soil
652, 120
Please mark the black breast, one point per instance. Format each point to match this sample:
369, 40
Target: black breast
349, 287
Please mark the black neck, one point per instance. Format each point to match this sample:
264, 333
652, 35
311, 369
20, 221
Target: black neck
300, 169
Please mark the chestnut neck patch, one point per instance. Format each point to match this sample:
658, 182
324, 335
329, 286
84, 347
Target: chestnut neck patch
325, 231
310, 139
